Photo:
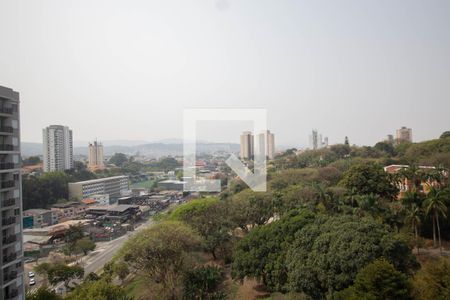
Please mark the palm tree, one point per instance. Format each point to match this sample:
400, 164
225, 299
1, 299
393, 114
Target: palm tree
414, 175
413, 217
412, 198
322, 195
368, 204
437, 176
435, 206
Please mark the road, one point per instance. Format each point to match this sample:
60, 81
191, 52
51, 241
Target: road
103, 253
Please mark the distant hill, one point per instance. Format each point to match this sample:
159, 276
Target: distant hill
31, 149
151, 149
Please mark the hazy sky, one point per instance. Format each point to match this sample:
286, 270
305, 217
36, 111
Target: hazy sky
126, 69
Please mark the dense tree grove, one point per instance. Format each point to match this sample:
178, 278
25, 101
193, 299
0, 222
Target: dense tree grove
31, 160
378, 280
330, 226
369, 178
45, 190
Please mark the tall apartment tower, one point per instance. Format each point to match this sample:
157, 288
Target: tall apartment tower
96, 156
314, 142
404, 135
11, 274
58, 148
266, 144
247, 145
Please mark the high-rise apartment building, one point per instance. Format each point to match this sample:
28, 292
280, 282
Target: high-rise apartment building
315, 140
96, 160
11, 274
266, 144
390, 139
58, 148
404, 135
247, 145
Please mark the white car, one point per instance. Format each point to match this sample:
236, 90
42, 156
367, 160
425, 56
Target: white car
32, 281
30, 274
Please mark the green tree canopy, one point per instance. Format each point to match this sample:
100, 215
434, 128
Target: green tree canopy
327, 254
369, 178
433, 280
160, 253
31, 160
261, 253
209, 218
445, 134
98, 290
203, 283
45, 190
85, 245
118, 159
42, 293
63, 273
378, 280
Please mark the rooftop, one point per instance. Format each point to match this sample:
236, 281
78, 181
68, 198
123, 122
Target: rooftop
117, 208
66, 204
99, 180
35, 211
88, 201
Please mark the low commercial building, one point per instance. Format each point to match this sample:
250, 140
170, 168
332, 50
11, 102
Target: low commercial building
27, 222
101, 199
114, 187
120, 213
41, 217
172, 185
68, 211
55, 230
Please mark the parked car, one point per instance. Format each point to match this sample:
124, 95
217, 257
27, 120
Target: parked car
29, 259
32, 281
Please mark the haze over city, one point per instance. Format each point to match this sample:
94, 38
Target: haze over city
125, 70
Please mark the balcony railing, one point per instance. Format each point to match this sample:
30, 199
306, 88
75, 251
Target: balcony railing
8, 165
7, 147
11, 276
8, 202
9, 239
8, 184
9, 258
12, 294
8, 129
8, 221
6, 110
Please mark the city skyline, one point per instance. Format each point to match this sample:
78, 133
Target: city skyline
344, 69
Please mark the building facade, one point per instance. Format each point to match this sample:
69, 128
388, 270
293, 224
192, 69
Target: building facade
247, 145
316, 142
403, 135
41, 217
67, 211
266, 144
96, 159
115, 187
11, 274
58, 148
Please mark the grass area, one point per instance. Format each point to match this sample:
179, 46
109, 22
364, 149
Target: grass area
136, 286
148, 184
